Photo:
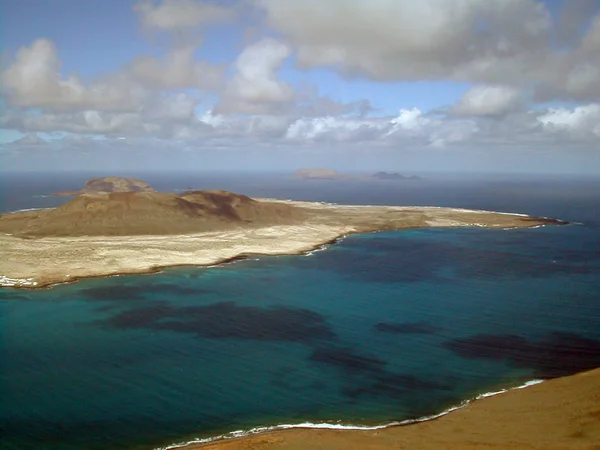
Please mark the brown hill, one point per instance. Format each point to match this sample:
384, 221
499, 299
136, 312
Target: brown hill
110, 184
137, 213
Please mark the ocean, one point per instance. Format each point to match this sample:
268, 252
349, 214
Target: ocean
375, 329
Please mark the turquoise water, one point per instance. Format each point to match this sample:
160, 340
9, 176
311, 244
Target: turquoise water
376, 328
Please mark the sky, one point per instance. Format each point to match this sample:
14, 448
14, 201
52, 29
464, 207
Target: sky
277, 85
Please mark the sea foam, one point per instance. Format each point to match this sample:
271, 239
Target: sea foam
340, 426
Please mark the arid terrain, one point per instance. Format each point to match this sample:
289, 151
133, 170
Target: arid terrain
109, 233
559, 414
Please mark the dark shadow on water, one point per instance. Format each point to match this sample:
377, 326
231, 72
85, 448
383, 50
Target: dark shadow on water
556, 355
407, 328
347, 360
123, 293
7, 295
395, 386
363, 375
228, 320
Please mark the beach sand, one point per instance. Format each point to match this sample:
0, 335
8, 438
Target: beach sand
33, 262
563, 414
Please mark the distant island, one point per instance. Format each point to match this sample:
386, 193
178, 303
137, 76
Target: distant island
109, 184
103, 233
393, 176
328, 174
318, 174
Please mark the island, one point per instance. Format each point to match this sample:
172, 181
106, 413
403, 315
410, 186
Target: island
563, 413
318, 174
109, 184
393, 176
328, 174
140, 231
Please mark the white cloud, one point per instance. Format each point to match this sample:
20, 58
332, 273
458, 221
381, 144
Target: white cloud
177, 107
581, 121
175, 15
88, 122
406, 39
409, 119
34, 80
410, 128
255, 87
334, 129
178, 69
214, 120
488, 101
504, 47
510, 42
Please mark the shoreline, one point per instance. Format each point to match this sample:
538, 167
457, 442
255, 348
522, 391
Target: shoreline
272, 429
32, 262
515, 408
158, 269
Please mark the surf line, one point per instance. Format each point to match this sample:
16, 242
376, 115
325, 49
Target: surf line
338, 426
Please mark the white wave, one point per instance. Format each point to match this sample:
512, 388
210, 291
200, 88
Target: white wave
323, 247
340, 426
502, 391
512, 214
30, 209
319, 249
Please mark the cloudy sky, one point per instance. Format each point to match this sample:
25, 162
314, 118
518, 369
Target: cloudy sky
403, 85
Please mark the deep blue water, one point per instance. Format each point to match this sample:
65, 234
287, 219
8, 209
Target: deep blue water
377, 328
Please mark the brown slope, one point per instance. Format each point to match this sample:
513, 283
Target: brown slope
138, 213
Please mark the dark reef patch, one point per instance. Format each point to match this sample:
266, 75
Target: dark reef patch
407, 328
118, 293
113, 293
394, 386
367, 375
228, 320
347, 360
7, 295
556, 355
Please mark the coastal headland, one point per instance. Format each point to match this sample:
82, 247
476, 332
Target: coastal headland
109, 233
562, 413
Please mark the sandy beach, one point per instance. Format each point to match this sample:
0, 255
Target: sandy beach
33, 262
563, 413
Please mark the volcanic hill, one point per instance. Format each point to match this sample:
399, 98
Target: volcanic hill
156, 213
